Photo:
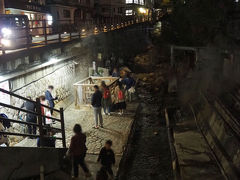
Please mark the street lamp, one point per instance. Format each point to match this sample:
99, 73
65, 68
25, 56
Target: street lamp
142, 10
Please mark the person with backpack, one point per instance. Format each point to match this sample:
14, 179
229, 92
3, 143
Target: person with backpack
106, 100
120, 98
96, 103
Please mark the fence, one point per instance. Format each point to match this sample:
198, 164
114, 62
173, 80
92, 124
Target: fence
44, 32
84, 88
40, 119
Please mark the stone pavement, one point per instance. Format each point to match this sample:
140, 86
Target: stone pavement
116, 128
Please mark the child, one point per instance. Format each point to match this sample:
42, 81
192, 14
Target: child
120, 98
78, 151
107, 157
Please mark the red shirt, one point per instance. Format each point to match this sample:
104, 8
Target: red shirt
78, 146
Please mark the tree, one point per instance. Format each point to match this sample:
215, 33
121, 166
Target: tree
198, 22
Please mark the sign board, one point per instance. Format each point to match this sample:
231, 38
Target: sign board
4, 98
25, 5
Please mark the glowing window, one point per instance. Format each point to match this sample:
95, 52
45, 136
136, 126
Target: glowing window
129, 12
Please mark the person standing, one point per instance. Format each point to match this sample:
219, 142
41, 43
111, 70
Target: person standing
106, 100
45, 111
96, 102
120, 98
107, 157
31, 118
77, 151
129, 82
49, 97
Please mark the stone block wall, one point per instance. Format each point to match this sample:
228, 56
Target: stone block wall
62, 76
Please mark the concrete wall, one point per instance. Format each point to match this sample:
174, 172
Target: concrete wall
220, 137
23, 163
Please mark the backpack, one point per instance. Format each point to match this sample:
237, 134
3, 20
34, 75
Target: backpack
120, 95
6, 123
106, 94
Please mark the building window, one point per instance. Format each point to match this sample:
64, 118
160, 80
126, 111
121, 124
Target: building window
66, 14
141, 2
129, 1
129, 12
135, 1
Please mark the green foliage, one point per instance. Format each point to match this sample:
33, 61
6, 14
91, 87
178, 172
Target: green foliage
197, 22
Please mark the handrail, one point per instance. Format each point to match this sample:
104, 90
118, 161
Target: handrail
26, 111
59, 28
26, 99
39, 117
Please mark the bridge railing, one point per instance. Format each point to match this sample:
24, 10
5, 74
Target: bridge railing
40, 125
43, 32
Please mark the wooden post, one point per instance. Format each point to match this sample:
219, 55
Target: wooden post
63, 128
45, 31
39, 111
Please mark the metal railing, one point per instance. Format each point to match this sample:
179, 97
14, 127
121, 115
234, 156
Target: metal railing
40, 120
44, 32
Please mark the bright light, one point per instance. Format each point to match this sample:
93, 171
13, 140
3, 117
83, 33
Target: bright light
5, 42
65, 32
83, 30
142, 10
49, 19
53, 60
6, 32
37, 36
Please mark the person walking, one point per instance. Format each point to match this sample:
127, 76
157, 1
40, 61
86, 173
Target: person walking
120, 98
49, 97
106, 100
31, 118
77, 151
96, 102
107, 157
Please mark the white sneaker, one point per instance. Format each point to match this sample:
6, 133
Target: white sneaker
109, 114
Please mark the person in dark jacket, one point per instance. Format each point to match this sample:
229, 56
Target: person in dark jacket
77, 151
107, 157
96, 102
49, 97
129, 82
30, 106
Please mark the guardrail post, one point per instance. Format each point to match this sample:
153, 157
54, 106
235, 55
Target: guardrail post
45, 31
39, 111
63, 128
